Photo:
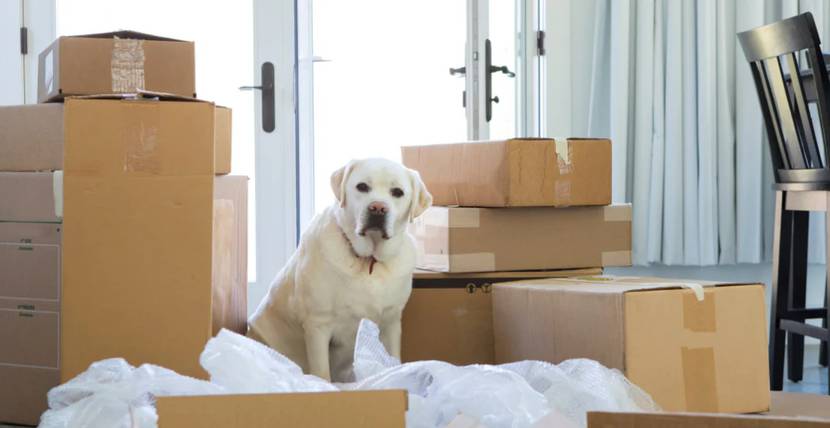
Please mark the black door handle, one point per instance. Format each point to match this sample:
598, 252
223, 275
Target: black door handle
267, 87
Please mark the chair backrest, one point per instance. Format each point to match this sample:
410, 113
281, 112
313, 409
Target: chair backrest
795, 148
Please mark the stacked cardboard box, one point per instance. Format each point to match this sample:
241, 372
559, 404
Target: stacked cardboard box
502, 211
504, 208
120, 234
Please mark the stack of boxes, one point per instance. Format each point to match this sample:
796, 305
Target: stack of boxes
512, 255
121, 232
504, 211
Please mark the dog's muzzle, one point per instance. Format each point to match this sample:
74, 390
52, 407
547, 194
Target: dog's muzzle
374, 221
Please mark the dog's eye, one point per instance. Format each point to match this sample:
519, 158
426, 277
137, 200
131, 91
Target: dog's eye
362, 187
397, 192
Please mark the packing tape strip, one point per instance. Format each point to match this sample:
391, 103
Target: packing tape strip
471, 262
457, 218
616, 258
699, 313
127, 65
57, 192
562, 191
699, 379
618, 212
563, 155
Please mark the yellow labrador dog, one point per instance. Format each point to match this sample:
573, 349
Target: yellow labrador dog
355, 261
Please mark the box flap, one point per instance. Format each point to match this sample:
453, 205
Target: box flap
696, 420
125, 34
353, 409
612, 284
140, 94
794, 404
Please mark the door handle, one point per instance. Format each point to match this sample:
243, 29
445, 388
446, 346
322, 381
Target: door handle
267, 88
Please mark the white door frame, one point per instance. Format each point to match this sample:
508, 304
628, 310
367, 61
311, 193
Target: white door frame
38, 17
277, 153
11, 60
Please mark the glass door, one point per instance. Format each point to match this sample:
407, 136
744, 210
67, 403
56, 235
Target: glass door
393, 73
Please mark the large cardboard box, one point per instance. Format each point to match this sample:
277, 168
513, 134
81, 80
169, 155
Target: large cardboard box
788, 410
115, 63
500, 239
449, 317
31, 138
515, 173
354, 409
690, 355
139, 229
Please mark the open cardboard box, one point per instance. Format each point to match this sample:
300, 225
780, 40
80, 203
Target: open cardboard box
788, 410
353, 409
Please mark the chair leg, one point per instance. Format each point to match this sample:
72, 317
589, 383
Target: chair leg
779, 292
798, 291
822, 353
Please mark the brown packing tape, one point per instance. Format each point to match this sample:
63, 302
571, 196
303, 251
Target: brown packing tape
127, 65
140, 140
562, 191
616, 258
699, 378
699, 316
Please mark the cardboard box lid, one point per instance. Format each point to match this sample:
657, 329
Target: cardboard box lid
788, 410
353, 409
696, 420
611, 284
124, 34
420, 274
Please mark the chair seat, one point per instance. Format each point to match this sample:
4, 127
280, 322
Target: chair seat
802, 187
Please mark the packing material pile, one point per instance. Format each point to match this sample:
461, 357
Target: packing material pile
114, 394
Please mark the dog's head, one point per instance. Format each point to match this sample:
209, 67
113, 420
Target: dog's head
379, 196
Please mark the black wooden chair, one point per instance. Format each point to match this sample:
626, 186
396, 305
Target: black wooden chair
802, 177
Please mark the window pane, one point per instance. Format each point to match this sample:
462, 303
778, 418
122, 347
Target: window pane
387, 83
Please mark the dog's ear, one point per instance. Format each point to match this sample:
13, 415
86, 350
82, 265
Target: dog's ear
338, 182
421, 198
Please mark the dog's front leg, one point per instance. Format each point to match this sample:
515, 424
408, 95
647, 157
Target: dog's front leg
390, 336
317, 341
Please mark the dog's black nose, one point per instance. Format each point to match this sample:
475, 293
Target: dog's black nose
378, 208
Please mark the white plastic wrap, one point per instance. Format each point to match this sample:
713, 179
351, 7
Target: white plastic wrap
241, 365
114, 394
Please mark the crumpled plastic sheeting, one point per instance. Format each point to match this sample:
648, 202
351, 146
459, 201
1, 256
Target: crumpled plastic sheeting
114, 394
241, 365
511, 395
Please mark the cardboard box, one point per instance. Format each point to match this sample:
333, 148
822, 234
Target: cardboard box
115, 63
518, 172
139, 250
449, 317
690, 355
29, 313
31, 138
499, 239
788, 410
354, 409
31, 197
